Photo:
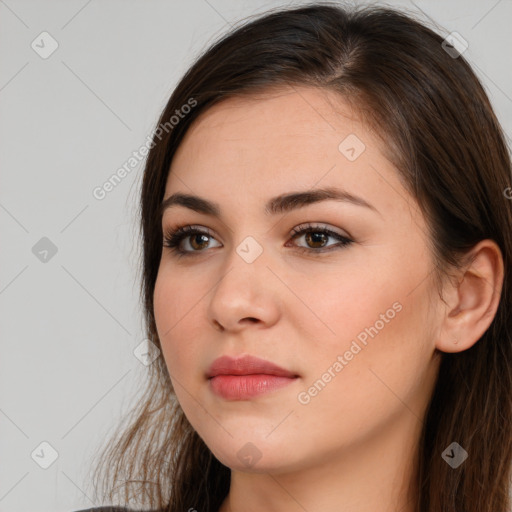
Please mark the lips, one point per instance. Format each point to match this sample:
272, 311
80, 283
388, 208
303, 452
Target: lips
246, 365
246, 378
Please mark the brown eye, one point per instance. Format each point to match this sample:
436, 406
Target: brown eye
316, 239
198, 241
178, 239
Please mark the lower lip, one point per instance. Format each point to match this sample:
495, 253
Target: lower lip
242, 387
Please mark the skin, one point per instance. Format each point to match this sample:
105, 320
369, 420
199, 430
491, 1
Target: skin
353, 445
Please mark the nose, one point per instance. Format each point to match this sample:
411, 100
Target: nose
246, 294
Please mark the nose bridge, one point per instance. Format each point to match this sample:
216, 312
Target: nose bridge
242, 290
245, 267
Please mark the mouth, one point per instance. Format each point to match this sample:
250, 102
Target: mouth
243, 387
246, 377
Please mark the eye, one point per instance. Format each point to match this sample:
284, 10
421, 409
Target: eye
316, 238
197, 239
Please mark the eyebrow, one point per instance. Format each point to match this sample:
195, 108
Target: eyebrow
276, 205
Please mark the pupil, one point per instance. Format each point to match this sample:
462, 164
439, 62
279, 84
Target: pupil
315, 237
195, 238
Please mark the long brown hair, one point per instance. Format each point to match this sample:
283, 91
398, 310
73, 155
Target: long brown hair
449, 149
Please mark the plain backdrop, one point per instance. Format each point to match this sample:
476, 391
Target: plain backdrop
70, 116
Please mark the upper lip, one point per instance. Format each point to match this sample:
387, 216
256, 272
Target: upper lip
246, 365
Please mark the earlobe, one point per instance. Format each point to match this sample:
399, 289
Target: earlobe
472, 302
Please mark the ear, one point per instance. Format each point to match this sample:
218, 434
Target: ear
472, 302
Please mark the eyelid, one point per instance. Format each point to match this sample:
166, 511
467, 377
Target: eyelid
321, 226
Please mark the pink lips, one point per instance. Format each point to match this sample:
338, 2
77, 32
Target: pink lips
246, 377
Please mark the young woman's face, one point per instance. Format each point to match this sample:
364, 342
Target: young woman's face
351, 322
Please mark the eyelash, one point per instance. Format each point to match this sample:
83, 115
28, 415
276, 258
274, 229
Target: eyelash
173, 238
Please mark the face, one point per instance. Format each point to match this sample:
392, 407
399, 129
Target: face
336, 291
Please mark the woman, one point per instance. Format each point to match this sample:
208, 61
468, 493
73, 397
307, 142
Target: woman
326, 272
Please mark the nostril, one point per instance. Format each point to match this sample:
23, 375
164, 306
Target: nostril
250, 319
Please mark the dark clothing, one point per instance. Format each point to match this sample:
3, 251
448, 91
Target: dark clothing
105, 509
110, 509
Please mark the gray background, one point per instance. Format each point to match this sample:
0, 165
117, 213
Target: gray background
70, 324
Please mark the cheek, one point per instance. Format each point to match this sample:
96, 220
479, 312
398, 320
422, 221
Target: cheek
379, 354
378, 295
176, 306
339, 306
377, 299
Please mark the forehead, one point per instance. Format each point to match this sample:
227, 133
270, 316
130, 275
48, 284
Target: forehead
284, 112
273, 130
244, 150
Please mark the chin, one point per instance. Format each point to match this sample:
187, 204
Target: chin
250, 454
